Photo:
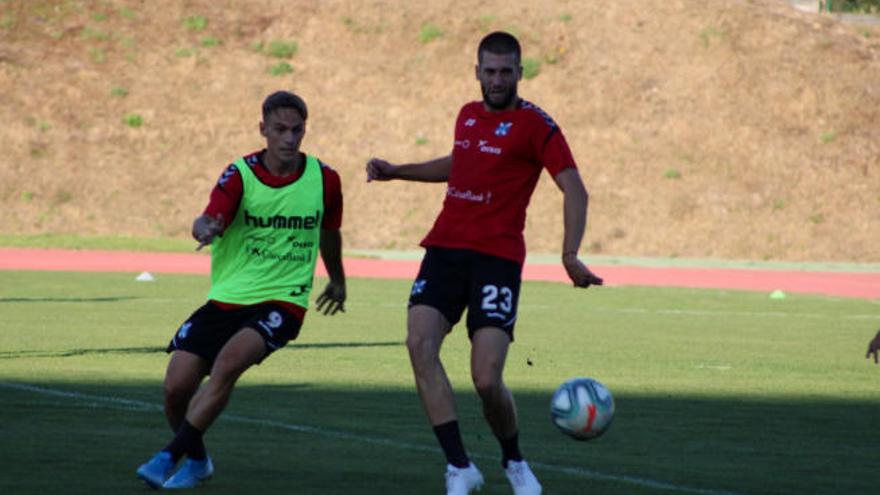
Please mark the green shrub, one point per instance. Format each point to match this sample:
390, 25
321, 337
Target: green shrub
282, 49
827, 137
672, 173
531, 67
133, 120
280, 69
209, 41
429, 32
855, 6
195, 23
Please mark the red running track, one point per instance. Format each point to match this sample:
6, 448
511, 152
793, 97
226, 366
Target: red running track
846, 284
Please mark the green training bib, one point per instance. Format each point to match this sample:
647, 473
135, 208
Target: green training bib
270, 249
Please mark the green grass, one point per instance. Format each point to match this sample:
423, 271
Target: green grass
280, 69
118, 92
719, 391
429, 32
195, 23
672, 173
210, 41
62, 241
282, 49
133, 120
531, 67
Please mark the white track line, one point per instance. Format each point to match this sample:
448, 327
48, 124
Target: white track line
106, 402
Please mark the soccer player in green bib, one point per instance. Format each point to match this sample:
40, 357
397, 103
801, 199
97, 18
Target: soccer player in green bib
269, 216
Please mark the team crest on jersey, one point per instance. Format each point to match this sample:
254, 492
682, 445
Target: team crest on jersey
503, 128
418, 287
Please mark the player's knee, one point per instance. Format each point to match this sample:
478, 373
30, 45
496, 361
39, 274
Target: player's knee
488, 385
176, 397
421, 346
224, 374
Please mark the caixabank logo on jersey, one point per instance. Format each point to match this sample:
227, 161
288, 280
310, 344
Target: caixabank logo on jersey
274, 240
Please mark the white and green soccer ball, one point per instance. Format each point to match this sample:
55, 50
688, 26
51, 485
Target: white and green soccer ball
582, 408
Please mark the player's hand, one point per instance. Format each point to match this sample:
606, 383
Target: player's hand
205, 228
874, 347
332, 300
580, 275
378, 169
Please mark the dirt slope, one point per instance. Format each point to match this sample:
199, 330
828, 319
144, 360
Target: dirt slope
703, 128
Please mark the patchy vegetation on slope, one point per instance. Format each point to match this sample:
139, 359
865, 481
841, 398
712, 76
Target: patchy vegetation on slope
720, 129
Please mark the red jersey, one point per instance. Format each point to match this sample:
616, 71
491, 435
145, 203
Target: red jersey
496, 162
226, 196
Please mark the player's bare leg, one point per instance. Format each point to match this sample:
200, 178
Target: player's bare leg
243, 350
182, 379
426, 329
489, 347
488, 353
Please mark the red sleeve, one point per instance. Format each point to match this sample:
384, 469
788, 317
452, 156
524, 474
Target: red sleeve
226, 196
332, 199
553, 151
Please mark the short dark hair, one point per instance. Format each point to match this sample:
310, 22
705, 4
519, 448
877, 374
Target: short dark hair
499, 43
284, 99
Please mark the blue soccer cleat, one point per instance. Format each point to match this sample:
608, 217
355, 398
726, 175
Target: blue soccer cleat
157, 470
190, 474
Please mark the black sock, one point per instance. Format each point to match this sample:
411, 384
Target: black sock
510, 449
187, 441
451, 443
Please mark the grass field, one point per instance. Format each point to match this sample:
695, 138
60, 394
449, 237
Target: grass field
717, 392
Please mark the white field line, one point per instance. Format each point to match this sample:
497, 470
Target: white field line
119, 403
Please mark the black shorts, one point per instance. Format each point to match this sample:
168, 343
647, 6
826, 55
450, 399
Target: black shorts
451, 280
209, 328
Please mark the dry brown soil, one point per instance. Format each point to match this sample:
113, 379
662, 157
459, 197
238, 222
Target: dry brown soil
703, 128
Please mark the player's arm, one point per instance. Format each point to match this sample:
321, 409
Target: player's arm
332, 300
221, 208
874, 347
205, 228
436, 170
575, 203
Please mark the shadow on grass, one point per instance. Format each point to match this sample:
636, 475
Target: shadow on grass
299, 438
151, 350
65, 299
78, 352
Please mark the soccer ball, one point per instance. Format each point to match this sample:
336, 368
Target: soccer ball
582, 408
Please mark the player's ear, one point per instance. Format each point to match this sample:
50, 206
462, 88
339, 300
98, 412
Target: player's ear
262, 129
477, 71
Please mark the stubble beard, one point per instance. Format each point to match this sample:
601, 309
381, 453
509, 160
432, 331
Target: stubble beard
503, 104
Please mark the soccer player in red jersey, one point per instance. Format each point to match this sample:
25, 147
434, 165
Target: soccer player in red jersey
270, 215
475, 251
